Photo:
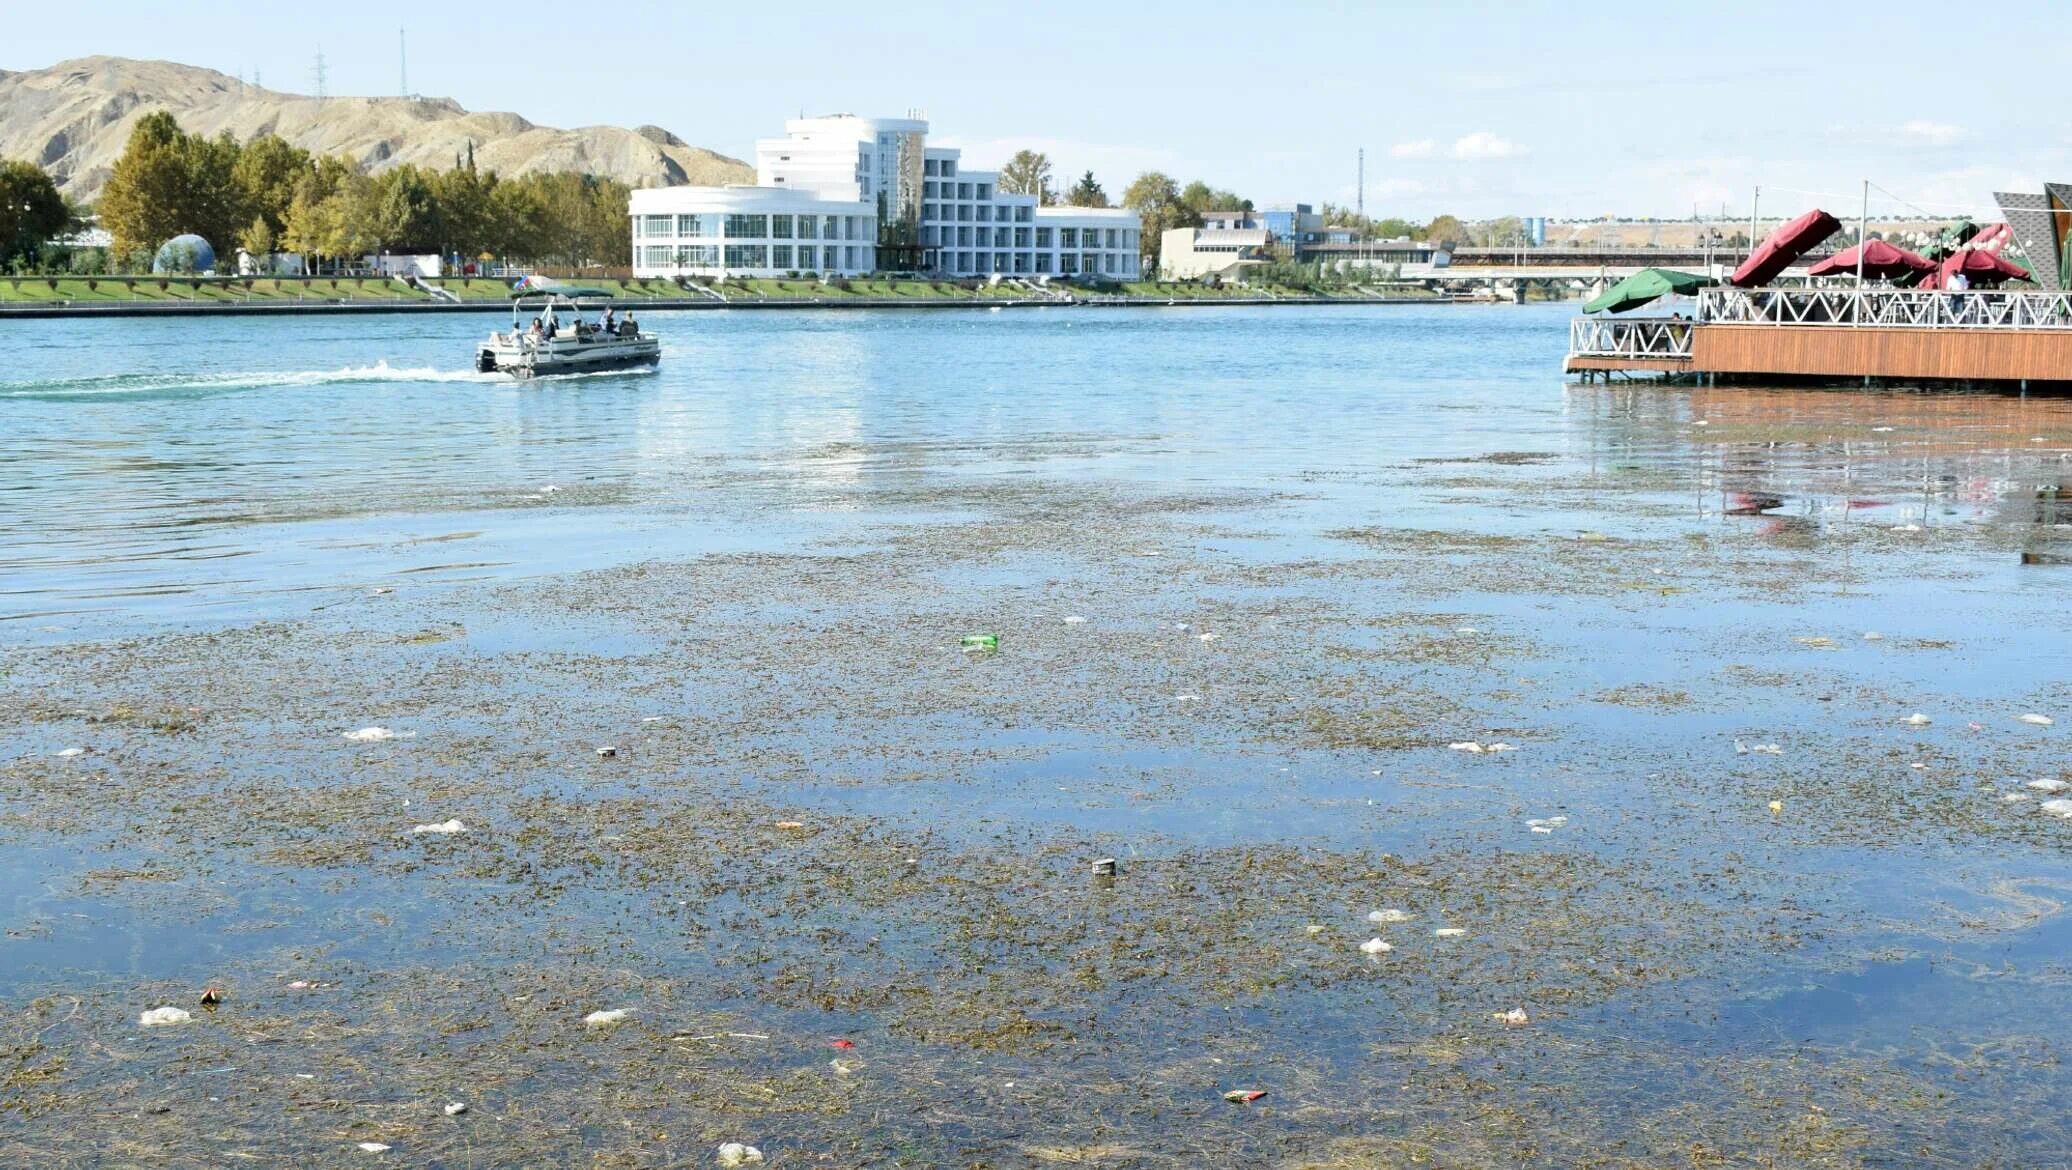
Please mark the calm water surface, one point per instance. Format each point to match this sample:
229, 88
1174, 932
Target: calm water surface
161, 477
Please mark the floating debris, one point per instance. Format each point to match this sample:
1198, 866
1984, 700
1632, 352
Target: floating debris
791, 825
2060, 807
1380, 917
1917, 720
1816, 641
375, 1148
605, 1019
606, 753
1545, 824
70, 753
1186, 698
980, 643
844, 1045
164, 1017
1515, 1018
1592, 537
2038, 720
375, 735
211, 996
1074, 620
1208, 637
1450, 932
1105, 867
456, 1108
1243, 1096
736, 1154
2014, 797
2048, 785
442, 828
1873, 636
1376, 946
1776, 806
1757, 749
1473, 748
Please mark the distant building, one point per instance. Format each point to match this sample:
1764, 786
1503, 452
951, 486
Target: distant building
1225, 253
844, 196
1287, 223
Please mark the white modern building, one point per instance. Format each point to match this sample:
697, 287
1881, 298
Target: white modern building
844, 196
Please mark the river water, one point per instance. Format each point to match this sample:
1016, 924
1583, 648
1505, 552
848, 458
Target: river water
1258, 576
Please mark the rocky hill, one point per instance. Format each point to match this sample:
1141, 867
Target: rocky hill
73, 118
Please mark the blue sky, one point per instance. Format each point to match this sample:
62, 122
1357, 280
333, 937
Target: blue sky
1470, 109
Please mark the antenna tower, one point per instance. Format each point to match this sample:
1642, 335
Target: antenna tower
1360, 201
319, 74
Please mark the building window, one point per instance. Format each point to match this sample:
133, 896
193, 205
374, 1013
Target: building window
780, 227
747, 227
849, 256
831, 229
949, 168
1090, 263
985, 212
1068, 264
780, 255
1111, 237
963, 190
985, 191
1043, 260
1021, 237
1043, 239
747, 255
827, 258
656, 255
1108, 261
660, 226
1068, 237
964, 212
964, 237
697, 256
1024, 213
928, 168
849, 228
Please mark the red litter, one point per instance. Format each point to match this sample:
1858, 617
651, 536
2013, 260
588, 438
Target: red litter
844, 1045
1244, 1096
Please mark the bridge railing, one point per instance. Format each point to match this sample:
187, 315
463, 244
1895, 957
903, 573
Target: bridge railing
1886, 308
1642, 337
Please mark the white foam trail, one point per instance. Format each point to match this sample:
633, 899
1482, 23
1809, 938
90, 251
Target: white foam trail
140, 384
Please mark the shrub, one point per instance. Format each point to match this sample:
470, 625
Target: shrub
52, 281
92, 285
164, 284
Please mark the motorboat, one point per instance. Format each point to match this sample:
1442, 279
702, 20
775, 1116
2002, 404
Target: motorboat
578, 346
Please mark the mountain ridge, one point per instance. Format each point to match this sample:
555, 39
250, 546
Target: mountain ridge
73, 119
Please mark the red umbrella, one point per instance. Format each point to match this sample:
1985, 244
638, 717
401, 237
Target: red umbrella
1881, 261
1783, 246
1980, 267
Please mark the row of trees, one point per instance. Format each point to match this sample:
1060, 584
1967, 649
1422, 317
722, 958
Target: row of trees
32, 214
267, 196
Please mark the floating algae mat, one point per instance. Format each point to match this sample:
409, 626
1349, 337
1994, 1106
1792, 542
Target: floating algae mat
838, 895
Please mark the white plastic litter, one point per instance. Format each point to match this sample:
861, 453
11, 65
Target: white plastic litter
444, 828
164, 1017
1757, 749
736, 1154
605, 1019
1380, 917
1075, 620
2048, 785
1376, 946
456, 1108
1477, 749
375, 735
1516, 1018
1449, 932
1873, 636
69, 753
1908, 528
2060, 807
1881, 430
1208, 637
2038, 720
1545, 824
1917, 720
1186, 698
1816, 641
375, 1148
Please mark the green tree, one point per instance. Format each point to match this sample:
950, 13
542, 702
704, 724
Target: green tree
1028, 173
267, 172
258, 239
1086, 193
168, 182
405, 214
1156, 200
1446, 230
32, 212
1199, 197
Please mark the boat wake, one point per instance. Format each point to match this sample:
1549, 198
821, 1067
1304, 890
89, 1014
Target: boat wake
162, 384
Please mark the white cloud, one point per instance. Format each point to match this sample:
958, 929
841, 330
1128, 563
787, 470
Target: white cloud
1926, 133
1482, 146
1422, 148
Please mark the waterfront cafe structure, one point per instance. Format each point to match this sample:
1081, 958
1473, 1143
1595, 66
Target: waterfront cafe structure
1985, 305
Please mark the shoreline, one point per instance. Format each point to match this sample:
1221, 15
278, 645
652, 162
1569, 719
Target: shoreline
35, 311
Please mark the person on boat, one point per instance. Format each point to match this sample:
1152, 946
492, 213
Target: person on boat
628, 328
608, 327
553, 325
535, 333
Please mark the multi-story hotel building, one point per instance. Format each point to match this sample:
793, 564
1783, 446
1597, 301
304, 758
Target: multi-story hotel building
843, 196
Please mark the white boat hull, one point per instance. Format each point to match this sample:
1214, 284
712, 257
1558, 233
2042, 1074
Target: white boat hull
524, 357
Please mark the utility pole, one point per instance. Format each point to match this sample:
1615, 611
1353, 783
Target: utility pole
402, 62
1753, 204
319, 73
1360, 200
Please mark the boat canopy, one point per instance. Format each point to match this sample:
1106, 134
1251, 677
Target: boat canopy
535, 294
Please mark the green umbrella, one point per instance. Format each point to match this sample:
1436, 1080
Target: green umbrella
1644, 287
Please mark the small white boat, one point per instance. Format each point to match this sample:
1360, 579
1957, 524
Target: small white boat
576, 347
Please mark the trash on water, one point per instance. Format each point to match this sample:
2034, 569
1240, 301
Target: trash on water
606, 1018
1243, 1096
1467, 630
375, 735
2048, 785
1208, 637
1592, 537
1908, 528
164, 1017
791, 825
1074, 620
211, 995
1105, 867
1379, 917
1917, 720
442, 828
980, 643
1776, 806
844, 1045
1816, 641
1313, 928
2061, 807
1376, 946
606, 753
2014, 797
736, 1154
69, 753
1545, 824
1473, 748
1757, 749
375, 1148
844, 1068
1449, 932
1516, 1018
1186, 698
1873, 636
456, 1108
2038, 720
1881, 430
